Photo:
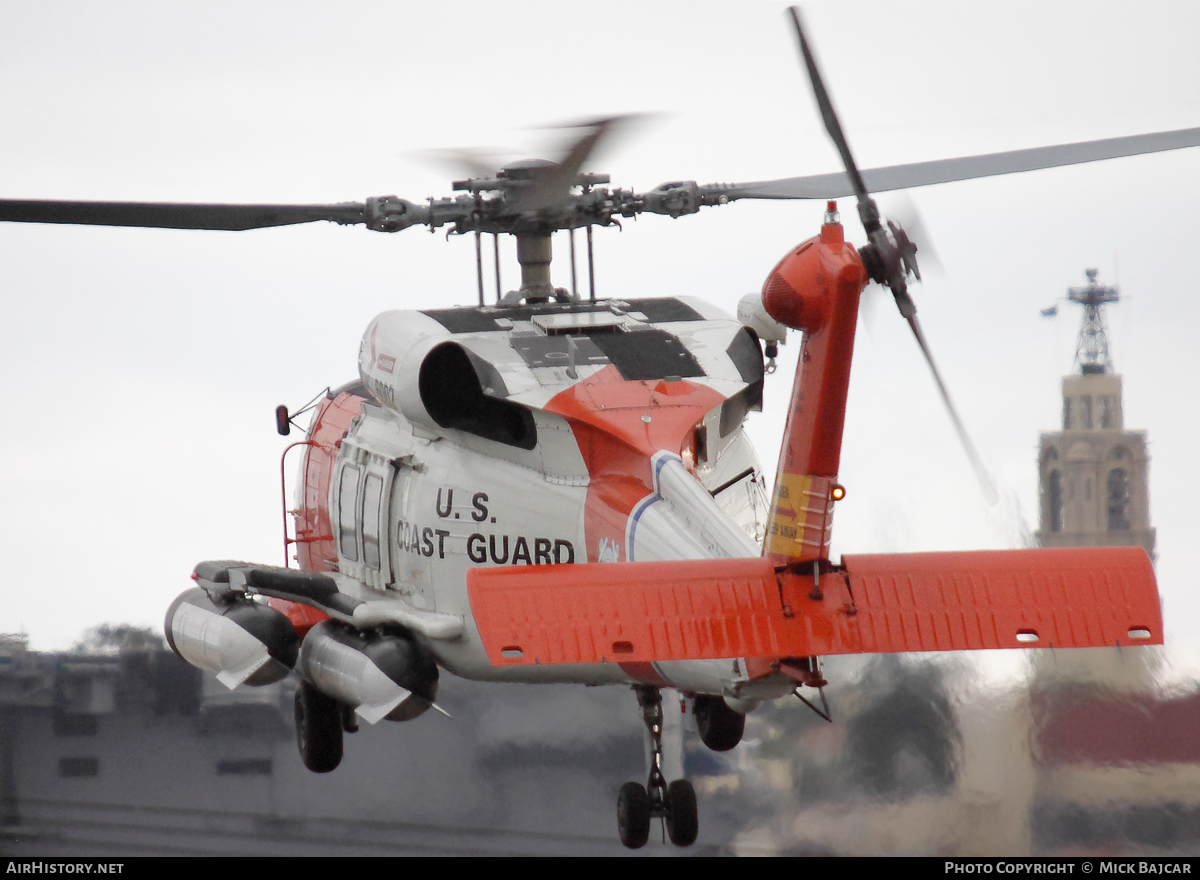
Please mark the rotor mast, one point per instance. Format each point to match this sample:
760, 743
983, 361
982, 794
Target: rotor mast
533, 255
1092, 351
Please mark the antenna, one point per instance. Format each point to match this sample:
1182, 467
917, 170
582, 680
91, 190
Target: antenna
1092, 351
496, 261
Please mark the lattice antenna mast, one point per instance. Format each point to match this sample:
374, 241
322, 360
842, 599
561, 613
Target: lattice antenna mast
1092, 351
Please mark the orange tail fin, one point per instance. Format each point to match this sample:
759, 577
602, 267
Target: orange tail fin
815, 289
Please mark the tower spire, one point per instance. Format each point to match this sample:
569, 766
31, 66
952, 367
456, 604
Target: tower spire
1091, 354
1093, 473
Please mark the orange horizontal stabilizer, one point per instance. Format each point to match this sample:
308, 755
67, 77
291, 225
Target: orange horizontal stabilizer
1076, 597
633, 612
701, 609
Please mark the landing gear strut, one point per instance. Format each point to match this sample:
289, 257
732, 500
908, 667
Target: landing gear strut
637, 804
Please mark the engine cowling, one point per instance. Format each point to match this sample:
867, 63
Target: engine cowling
411, 364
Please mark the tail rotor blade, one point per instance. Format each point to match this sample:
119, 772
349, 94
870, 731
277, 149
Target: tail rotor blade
903, 211
890, 257
868, 213
986, 482
828, 114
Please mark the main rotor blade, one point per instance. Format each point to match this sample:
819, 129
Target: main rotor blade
469, 162
162, 215
552, 188
981, 472
838, 185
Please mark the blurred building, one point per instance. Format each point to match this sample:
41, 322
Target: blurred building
1093, 473
1118, 770
130, 751
1117, 759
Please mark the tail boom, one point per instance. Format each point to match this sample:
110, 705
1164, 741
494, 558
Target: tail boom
816, 289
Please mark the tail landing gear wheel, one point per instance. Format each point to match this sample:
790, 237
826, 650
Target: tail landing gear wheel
720, 727
633, 815
682, 821
318, 729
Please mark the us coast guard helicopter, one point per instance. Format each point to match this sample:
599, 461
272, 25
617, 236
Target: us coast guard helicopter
557, 489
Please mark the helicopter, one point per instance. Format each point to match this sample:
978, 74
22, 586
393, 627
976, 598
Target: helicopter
623, 418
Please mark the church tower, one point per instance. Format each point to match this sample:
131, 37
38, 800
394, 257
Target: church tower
1093, 477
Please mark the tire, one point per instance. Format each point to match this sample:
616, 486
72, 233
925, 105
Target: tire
318, 729
683, 823
720, 727
633, 815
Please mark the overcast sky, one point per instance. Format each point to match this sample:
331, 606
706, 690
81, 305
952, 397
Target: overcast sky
142, 366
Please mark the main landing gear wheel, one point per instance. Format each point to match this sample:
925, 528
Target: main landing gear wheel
637, 804
318, 729
720, 727
633, 815
683, 823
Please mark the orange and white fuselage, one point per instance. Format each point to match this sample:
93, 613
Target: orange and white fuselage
621, 440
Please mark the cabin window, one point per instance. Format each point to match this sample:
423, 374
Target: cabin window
347, 509
371, 518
